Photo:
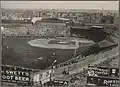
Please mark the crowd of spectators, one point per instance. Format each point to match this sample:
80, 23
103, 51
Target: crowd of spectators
49, 29
41, 30
14, 31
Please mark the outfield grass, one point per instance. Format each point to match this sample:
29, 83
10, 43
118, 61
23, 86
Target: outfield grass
21, 54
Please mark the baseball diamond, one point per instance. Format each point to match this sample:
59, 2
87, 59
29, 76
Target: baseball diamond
58, 43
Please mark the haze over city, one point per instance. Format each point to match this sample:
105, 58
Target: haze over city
106, 5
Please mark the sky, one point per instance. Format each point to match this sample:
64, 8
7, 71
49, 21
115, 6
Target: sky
106, 5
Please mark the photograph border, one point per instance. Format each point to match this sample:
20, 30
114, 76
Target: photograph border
57, 0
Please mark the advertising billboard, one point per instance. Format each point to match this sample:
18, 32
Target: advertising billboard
102, 81
44, 76
103, 76
103, 71
14, 74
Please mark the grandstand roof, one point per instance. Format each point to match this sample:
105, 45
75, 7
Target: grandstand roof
109, 40
105, 43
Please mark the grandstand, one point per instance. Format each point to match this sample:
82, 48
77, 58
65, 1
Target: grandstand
52, 30
39, 29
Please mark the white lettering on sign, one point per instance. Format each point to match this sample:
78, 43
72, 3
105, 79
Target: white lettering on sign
110, 82
17, 73
17, 78
7, 77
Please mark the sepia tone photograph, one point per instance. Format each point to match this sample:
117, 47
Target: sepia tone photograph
60, 43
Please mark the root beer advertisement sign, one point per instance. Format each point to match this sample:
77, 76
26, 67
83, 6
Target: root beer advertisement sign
15, 74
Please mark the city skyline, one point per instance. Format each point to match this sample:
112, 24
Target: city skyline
106, 5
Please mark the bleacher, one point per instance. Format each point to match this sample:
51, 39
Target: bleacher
40, 29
